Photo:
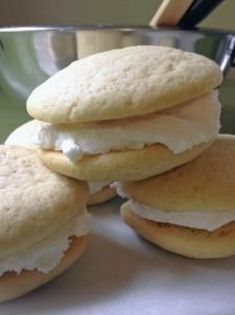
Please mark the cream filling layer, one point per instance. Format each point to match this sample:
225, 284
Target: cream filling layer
48, 253
206, 220
179, 128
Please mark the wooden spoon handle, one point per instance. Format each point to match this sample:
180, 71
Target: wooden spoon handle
170, 12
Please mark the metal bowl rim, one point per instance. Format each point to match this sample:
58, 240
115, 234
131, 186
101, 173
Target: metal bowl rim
105, 27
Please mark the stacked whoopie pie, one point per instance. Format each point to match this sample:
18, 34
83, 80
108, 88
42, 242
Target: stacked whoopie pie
43, 219
189, 210
127, 114
135, 116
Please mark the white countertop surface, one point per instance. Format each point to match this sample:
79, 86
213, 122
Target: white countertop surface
122, 274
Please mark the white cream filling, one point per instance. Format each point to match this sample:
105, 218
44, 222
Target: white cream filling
179, 128
47, 254
206, 220
119, 189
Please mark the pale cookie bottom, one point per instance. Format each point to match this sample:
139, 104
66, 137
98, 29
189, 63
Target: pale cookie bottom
105, 194
129, 165
189, 242
13, 286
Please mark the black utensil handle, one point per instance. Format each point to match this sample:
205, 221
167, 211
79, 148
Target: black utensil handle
233, 55
197, 12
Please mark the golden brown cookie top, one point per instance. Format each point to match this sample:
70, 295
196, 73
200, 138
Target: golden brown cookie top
205, 184
123, 83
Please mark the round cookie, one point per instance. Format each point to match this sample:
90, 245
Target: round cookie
123, 83
120, 165
37, 208
104, 195
206, 185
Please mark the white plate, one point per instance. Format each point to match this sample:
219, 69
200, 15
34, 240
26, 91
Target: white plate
122, 274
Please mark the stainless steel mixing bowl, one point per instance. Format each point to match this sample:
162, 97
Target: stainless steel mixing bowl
29, 55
